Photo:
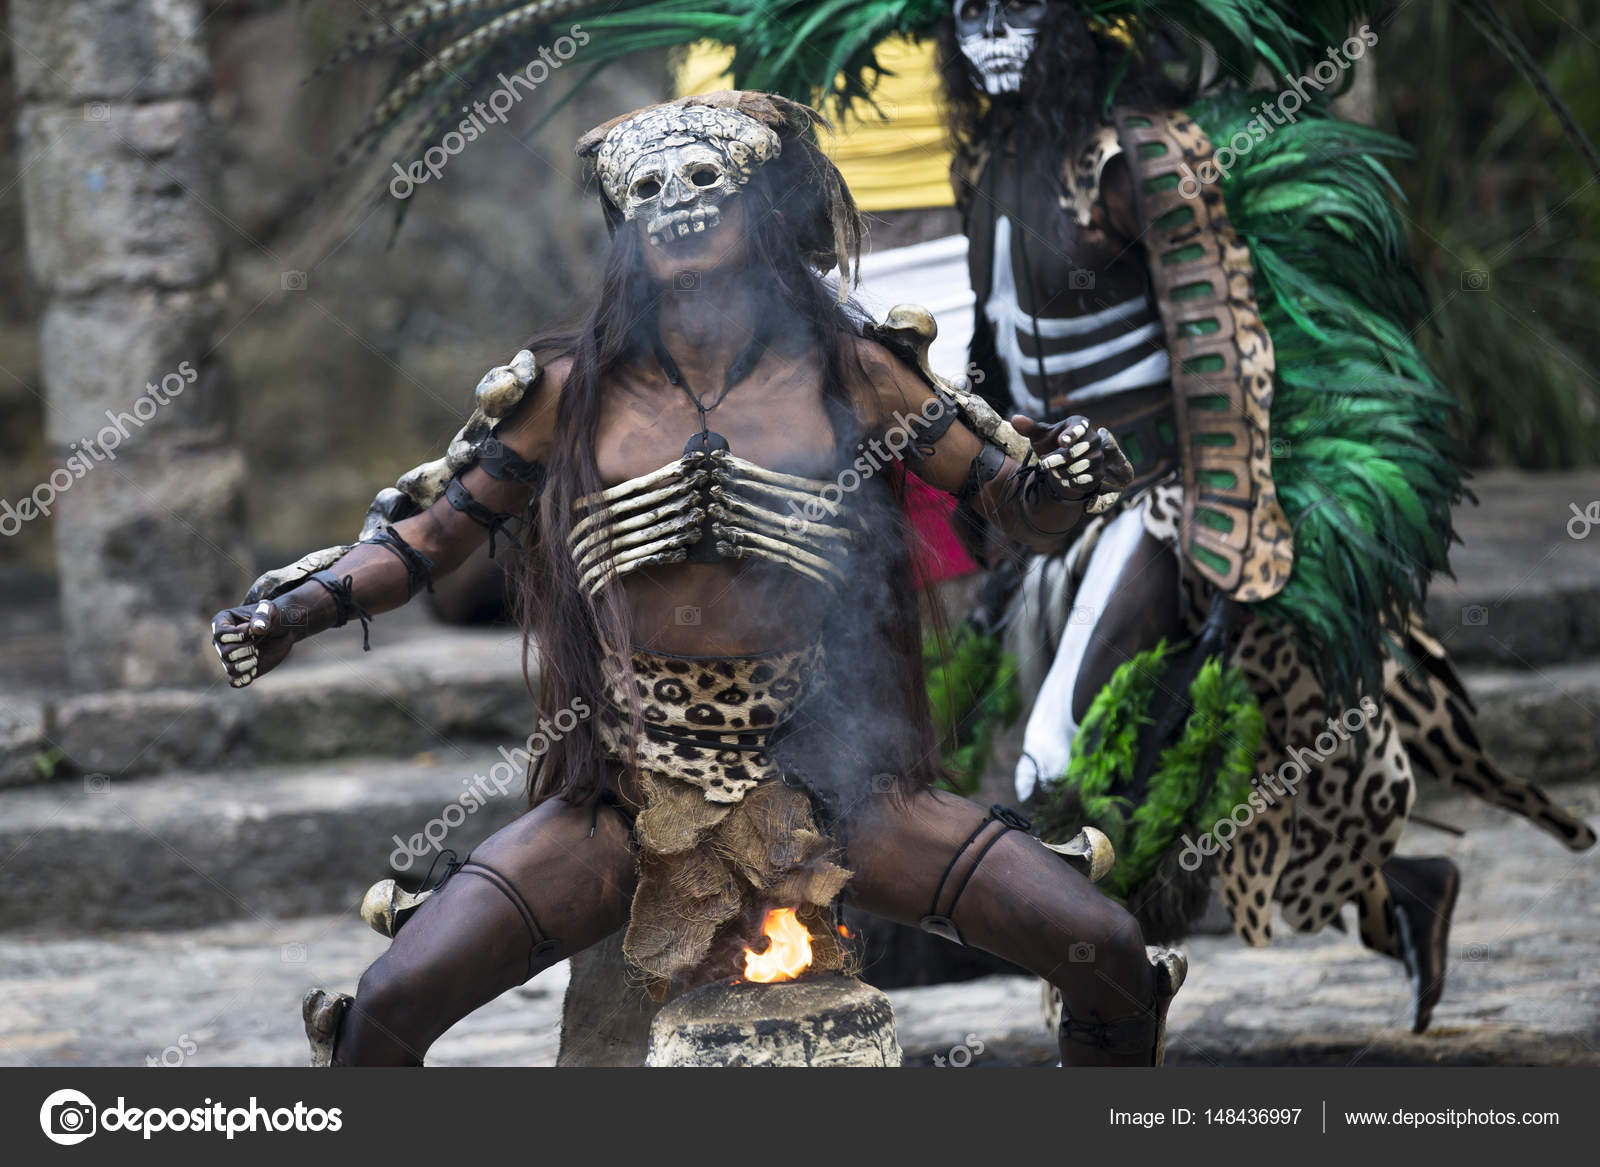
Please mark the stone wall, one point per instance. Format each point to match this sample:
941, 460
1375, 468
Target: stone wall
352, 349
144, 487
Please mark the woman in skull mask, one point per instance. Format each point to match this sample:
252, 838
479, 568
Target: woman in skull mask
721, 579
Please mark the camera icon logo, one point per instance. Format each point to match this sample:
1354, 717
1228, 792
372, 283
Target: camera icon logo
1475, 280
1080, 280
686, 281
293, 281
688, 617
96, 111
68, 1117
1474, 616
1081, 953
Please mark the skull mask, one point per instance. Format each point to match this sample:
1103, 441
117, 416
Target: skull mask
997, 38
674, 166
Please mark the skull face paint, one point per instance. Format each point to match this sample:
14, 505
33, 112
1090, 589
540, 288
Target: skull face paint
997, 38
674, 167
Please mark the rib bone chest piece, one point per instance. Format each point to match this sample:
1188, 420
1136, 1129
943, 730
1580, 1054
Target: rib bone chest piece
674, 168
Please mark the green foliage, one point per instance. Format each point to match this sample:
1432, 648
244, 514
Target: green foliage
972, 686
47, 761
1198, 780
1363, 456
1504, 218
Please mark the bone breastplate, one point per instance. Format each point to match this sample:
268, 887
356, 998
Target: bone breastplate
708, 506
1068, 302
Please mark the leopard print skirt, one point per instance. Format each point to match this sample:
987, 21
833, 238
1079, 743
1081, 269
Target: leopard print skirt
1325, 847
723, 838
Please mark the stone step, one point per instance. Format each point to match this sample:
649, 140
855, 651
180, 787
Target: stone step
1541, 724
1530, 600
447, 689
1526, 932
181, 850
423, 687
1526, 586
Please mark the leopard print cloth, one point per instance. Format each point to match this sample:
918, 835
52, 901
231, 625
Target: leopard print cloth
1324, 847
722, 837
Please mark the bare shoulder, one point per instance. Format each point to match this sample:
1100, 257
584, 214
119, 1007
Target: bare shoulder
530, 427
887, 383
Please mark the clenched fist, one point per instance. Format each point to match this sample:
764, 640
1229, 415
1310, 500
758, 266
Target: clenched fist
1080, 463
253, 641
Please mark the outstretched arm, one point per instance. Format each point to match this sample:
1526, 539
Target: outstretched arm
381, 574
1038, 506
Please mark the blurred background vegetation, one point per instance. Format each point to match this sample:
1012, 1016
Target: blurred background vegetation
1505, 223
370, 367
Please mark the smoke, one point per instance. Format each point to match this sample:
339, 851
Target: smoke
871, 717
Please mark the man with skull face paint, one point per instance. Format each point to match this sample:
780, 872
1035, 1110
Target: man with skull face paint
1244, 327
689, 449
997, 39
1111, 277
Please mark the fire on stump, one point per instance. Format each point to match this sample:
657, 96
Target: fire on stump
788, 951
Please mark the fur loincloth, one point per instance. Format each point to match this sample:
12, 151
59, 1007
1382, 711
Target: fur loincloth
722, 838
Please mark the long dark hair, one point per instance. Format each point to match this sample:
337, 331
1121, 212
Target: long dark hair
792, 214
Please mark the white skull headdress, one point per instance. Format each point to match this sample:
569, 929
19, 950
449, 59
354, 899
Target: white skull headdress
675, 165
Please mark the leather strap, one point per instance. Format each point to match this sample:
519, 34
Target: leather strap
345, 604
540, 946
942, 923
981, 472
500, 462
460, 498
419, 568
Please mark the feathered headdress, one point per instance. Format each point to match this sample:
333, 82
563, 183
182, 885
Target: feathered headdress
450, 52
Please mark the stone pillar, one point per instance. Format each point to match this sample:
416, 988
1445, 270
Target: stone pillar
824, 1020
124, 240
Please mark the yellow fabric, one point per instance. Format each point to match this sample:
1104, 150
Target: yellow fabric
895, 165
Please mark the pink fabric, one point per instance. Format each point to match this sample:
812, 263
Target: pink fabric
938, 553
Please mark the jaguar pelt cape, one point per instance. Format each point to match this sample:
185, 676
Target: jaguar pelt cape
1315, 479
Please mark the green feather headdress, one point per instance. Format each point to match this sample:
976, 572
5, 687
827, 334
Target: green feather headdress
808, 50
819, 52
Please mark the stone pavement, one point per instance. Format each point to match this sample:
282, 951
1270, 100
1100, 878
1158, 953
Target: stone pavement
1524, 985
189, 863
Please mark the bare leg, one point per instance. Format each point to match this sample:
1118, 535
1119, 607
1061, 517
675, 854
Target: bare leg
471, 941
1021, 902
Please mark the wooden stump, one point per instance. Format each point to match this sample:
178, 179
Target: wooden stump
605, 1019
824, 1020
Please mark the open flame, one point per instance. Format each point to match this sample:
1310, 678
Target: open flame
788, 952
